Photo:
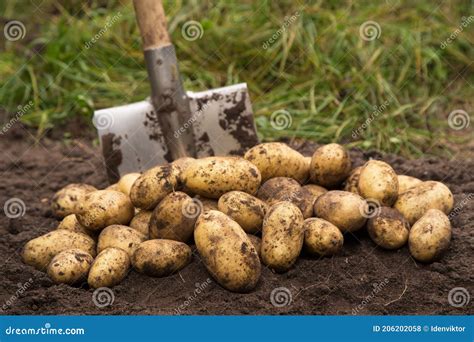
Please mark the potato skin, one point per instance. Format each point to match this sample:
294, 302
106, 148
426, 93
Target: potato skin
227, 252
407, 182
71, 223
126, 181
277, 159
174, 217
351, 184
39, 251
322, 237
282, 236
248, 211
68, 200
122, 237
70, 266
109, 268
153, 185
103, 208
343, 209
379, 182
330, 165
315, 190
160, 257
257, 243
214, 176
416, 201
141, 222
388, 228
430, 236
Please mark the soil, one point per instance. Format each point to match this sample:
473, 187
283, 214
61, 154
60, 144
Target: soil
363, 279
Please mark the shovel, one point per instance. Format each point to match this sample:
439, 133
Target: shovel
172, 123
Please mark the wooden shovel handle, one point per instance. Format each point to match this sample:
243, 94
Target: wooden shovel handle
152, 23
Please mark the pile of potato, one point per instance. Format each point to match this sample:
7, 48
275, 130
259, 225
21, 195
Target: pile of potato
265, 207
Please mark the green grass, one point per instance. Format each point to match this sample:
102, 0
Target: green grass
318, 69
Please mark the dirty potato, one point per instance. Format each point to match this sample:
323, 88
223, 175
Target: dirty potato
160, 258
153, 185
245, 209
379, 182
126, 181
70, 266
227, 252
207, 203
103, 208
388, 228
330, 165
352, 182
71, 223
174, 217
39, 251
406, 182
416, 201
315, 190
122, 237
257, 243
346, 210
282, 236
113, 187
68, 200
322, 237
214, 176
109, 268
277, 159
430, 236
141, 222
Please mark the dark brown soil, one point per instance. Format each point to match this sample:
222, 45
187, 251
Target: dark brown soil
363, 279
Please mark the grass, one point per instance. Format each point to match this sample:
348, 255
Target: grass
308, 59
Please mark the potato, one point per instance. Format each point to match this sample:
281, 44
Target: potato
71, 223
282, 236
214, 176
280, 189
248, 211
379, 182
351, 184
277, 159
109, 268
159, 258
406, 182
416, 201
315, 190
183, 163
70, 266
330, 165
388, 228
153, 185
430, 236
103, 208
39, 251
257, 243
207, 203
113, 187
174, 217
141, 222
126, 181
347, 211
322, 237
122, 237
68, 200
227, 252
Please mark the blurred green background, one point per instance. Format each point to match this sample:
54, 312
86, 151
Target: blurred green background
313, 59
